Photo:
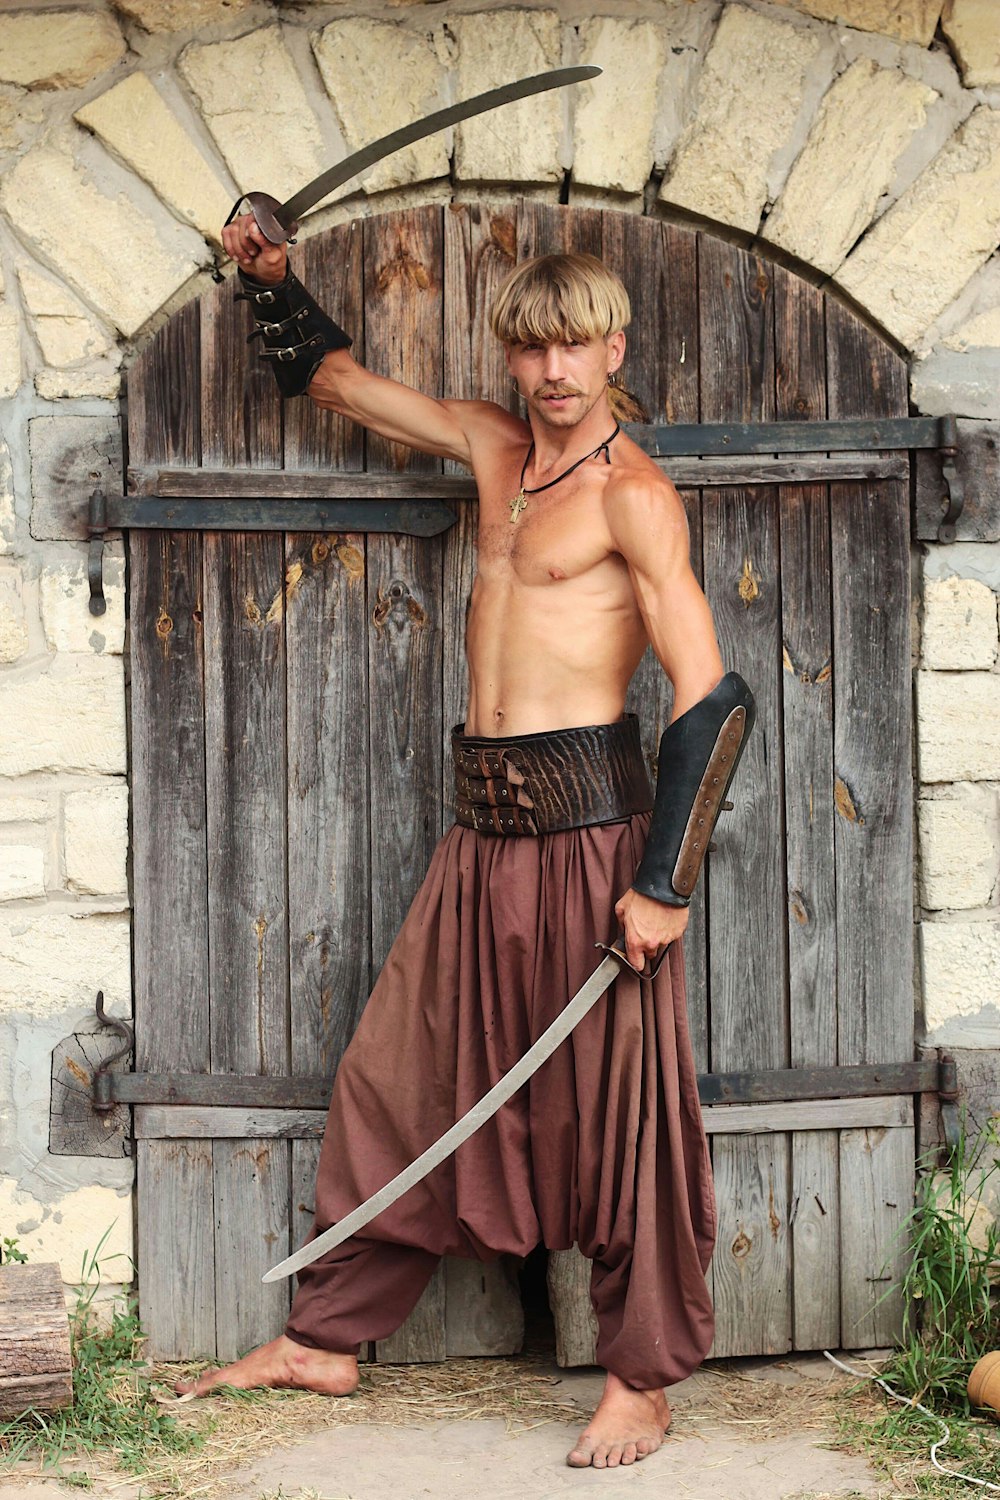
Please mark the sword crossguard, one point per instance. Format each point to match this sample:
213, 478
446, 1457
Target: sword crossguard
650, 967
265, 210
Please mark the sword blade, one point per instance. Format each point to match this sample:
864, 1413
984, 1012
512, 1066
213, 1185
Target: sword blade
335, 177
584, 999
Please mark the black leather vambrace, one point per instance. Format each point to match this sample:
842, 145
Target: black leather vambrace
699, 753
293, 328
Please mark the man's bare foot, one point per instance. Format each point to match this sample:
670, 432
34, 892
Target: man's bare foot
627, 1425
285, 1364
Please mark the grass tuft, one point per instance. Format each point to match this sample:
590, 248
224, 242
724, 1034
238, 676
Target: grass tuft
951, 1318
113, 1411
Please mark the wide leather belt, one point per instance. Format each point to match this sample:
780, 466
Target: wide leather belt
546, 783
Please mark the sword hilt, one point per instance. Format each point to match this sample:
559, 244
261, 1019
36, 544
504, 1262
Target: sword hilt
265, 210
650, 966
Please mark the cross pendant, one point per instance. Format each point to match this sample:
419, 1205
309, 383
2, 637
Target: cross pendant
516, 506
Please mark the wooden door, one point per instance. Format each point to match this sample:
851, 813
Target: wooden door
291, 698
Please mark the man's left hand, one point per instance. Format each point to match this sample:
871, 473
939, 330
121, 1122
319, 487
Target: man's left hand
648, 925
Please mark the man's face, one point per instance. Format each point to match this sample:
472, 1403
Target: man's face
562, 382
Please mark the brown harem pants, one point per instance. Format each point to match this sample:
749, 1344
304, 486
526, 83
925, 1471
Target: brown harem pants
604, 1147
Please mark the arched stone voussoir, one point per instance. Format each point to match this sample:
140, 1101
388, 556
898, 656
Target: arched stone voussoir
124, 263
924, 250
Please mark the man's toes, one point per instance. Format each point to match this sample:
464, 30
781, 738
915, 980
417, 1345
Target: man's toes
645, 1446
614, 1457
630, 1453
581, 1457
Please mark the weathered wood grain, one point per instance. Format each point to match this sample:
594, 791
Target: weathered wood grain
75, 1127
568, 1281
177, 1248
314, 439
807, 724
552, 229
876, 1194
245, 692
753, 1305
403, 340
35, 1361
326, 727
483, 1313
873, 781
169, 851
747, 968
873, 816
809, 1115
455, 485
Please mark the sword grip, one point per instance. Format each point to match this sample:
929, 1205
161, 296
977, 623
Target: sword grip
265, 210
651, 966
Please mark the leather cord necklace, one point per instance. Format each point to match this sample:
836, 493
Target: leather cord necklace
519, 501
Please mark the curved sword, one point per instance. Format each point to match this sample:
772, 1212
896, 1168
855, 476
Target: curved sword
583, 1001
279, 221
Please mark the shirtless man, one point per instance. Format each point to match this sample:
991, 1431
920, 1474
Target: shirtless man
583, 560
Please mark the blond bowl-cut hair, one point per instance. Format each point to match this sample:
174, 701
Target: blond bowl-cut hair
557, 297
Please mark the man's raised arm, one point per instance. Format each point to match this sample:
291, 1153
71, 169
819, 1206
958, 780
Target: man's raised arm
309, 353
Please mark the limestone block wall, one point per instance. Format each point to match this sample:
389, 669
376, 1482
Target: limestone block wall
860, 138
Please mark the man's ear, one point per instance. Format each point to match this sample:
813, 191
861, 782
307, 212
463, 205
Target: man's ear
616, 350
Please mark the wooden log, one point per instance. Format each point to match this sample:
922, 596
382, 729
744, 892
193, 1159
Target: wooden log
568, 1281
35, 1361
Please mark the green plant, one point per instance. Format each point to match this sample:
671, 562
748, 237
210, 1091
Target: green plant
950, 1319
113, 1411
950, 1316
10, 1253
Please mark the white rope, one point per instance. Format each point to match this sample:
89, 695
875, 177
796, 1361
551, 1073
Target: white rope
986, 1484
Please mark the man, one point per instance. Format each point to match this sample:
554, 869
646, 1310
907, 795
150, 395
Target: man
583, 560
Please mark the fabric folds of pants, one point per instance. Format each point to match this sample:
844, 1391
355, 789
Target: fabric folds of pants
604, 1147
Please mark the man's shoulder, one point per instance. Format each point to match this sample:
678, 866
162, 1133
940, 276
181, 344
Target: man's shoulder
638, 484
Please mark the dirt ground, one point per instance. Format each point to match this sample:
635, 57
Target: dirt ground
743, 1429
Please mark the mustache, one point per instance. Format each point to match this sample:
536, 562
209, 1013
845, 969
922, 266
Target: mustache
557, 390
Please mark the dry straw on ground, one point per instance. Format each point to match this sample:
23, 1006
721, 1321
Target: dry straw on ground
522, 1392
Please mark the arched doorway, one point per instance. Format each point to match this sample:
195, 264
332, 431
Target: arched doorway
292, 691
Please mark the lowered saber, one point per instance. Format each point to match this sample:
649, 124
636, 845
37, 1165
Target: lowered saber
279, 221
584, 1000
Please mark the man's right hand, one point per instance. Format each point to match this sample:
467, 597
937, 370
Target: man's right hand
252, 252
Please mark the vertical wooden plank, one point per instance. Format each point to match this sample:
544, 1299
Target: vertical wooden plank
747, 943
807, 706
169, 863
876, 1182
480, 247
482, 1304
553, 229
326, 646
326, 643
658, 264
873, 802
872, 792
247, 829
751, 1283
403, 339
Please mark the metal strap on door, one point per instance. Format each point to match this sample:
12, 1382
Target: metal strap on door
697, 454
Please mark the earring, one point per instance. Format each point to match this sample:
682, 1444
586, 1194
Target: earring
612, 377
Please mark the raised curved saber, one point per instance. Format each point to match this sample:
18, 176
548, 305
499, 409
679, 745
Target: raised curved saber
572, 1013
279, 221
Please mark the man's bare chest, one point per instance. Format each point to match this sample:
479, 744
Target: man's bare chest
551, 539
